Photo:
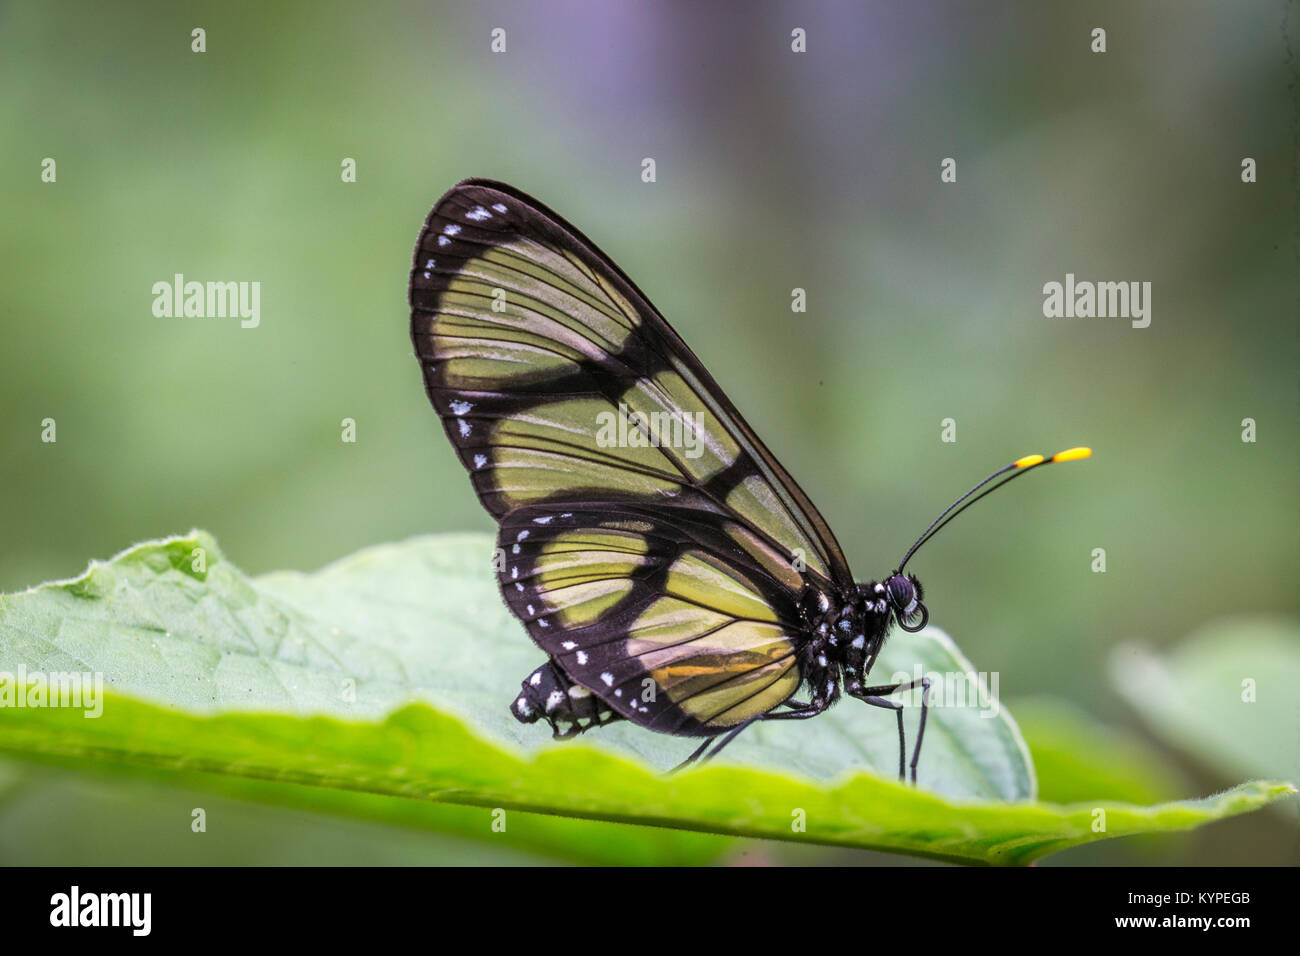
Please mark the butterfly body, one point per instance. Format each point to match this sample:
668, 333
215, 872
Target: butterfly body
669, 567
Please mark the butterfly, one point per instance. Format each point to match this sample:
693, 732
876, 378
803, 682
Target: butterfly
658, 554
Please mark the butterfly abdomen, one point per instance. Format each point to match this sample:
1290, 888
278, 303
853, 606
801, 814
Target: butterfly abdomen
548, 694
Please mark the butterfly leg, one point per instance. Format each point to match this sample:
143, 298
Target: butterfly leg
800, 711
548, 694
728, 738
877, 697
695, 755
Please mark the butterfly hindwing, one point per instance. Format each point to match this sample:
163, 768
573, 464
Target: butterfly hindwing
660, 613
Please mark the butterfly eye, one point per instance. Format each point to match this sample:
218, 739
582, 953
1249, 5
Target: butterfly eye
902, 595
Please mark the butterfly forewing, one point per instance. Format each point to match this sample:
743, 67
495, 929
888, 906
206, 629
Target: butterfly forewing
566, 393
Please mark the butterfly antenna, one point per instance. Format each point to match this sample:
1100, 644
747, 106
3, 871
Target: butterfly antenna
1017, 468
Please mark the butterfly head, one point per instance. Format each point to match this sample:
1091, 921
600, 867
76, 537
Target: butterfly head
904, 593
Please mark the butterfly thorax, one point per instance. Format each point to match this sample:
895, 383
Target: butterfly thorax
846, 634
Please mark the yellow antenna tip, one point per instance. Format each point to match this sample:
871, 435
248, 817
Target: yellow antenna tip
1072, 454
1028, 461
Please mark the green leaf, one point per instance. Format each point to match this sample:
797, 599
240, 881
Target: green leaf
1226, 695
1079, 759
390, 673
132, 815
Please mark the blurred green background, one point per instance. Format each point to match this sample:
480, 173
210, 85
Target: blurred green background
775, 170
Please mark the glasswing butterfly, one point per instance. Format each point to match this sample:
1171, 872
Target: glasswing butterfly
672, 571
